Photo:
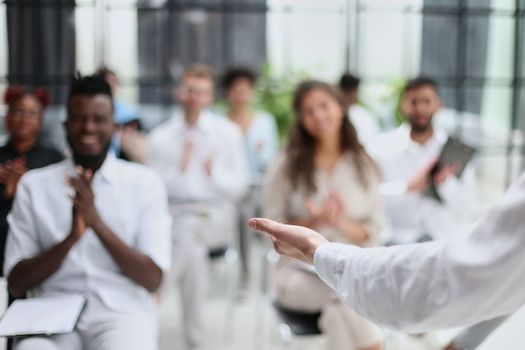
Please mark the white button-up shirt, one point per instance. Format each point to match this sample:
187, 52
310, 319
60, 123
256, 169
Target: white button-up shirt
213, 137
365, 123
130, 199
411, 215
477, 275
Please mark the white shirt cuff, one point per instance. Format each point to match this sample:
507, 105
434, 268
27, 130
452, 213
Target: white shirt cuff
330, 260
450, 188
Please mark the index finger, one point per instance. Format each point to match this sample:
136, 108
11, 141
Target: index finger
273, 228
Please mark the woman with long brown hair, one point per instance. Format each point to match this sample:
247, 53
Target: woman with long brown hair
325, 180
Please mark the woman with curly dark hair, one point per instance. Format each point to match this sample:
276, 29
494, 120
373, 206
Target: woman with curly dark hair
325, 180
23, 151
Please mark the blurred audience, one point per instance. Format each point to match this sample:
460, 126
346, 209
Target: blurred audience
260, 142
91, 225
325, 180
406, 157
201, 157
112, 240
365, 122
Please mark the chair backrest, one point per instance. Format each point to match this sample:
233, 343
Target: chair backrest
300, 323
218, 252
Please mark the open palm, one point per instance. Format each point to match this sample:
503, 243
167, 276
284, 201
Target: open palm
289, 240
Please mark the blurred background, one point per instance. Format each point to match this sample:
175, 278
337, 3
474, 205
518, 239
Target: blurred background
474, 49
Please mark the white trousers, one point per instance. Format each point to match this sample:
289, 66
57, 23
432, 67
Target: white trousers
304, 291
197, 228
101, 329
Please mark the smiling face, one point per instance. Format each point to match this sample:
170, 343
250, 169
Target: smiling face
321, 114
24, 119
89, 125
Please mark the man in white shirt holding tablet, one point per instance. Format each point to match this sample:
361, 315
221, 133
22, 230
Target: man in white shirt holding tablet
406, 156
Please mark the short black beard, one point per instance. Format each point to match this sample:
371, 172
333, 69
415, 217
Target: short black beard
91, 162
421, 129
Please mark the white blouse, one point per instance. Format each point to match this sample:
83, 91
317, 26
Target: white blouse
283, 203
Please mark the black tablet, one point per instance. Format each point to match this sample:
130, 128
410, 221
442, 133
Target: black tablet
454, 152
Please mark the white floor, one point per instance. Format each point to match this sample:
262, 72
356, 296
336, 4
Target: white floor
251, 323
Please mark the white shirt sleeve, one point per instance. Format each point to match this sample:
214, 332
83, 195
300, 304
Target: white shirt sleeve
475, 276
22, 239
154, 238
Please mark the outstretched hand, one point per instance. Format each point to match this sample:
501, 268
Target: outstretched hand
292, 241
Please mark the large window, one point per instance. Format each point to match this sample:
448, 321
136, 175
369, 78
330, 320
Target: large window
474, 48
469, 47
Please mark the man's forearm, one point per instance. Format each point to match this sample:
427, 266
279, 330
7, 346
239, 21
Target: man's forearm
31, 272
135, 265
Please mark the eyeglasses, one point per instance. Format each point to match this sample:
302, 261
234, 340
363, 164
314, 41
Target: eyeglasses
22, 113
